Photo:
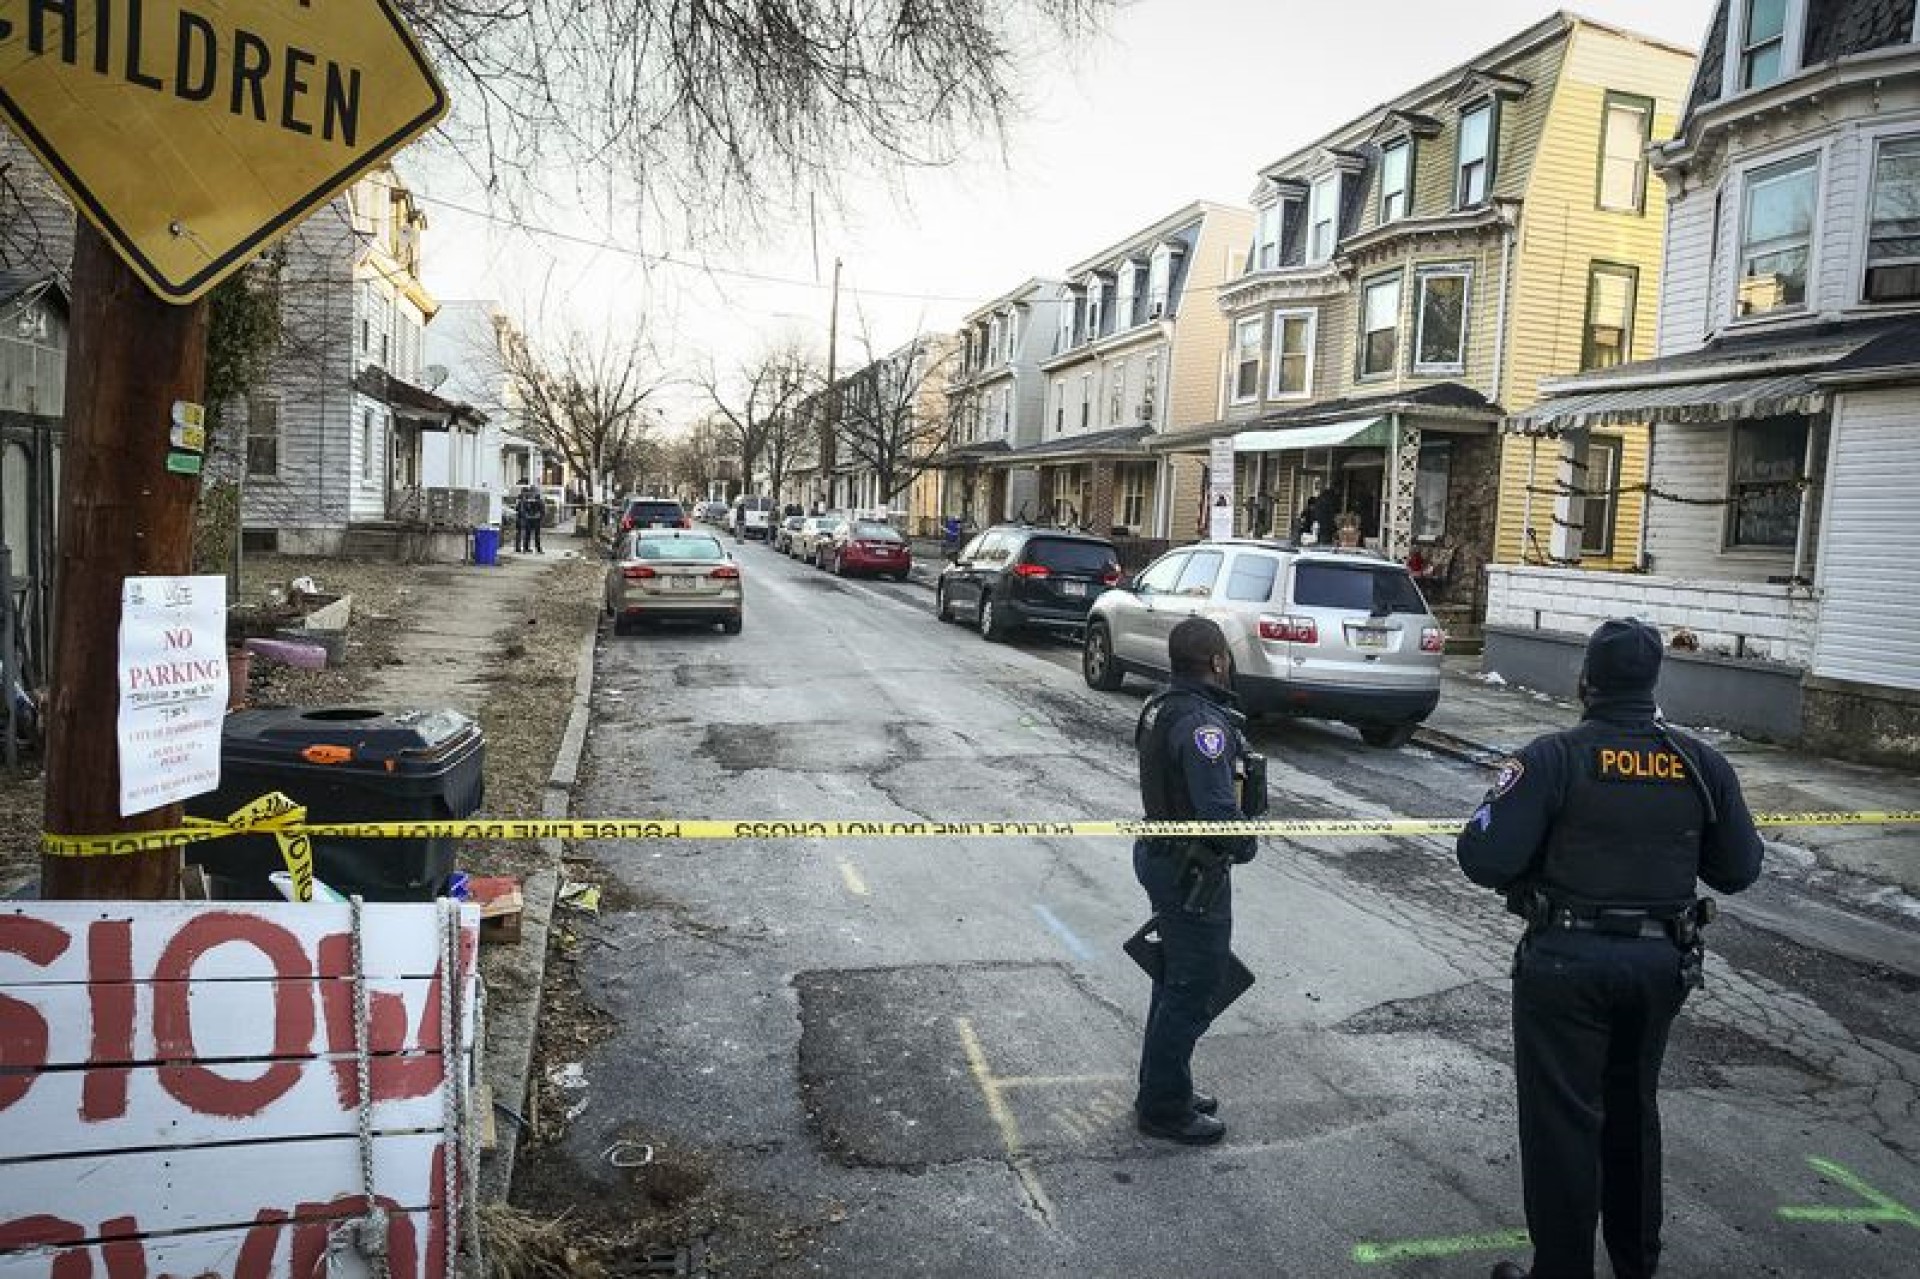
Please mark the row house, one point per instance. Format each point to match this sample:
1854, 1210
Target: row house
998, 400
468, 348
1782, 401
1135, 349
336, 452
888, 426
1411, 276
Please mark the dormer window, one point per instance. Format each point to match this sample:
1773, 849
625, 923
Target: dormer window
1474, 169
1011, 333
1763, 42
1064, 338
993, 340
1160, 278
1396, 165
1096, 298
1266, 238
1123, 297
1323, 218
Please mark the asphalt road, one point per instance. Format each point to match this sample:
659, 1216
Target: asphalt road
915, 1058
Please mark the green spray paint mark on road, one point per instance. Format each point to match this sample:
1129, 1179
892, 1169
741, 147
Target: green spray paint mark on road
1377, 1254
1885, 1207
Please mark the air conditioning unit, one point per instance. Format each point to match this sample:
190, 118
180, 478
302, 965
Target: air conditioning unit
1146, 410
1156, 310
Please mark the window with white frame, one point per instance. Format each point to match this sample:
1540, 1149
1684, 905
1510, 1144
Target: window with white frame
1440, 325
1433, 476
1086, 400
1096, 296
1776, 236
1059, 405
1396, 168
1612, 291
1006, 412
263, 436
1123, 293
1474, 169
1266, 238
1626, 129
1132, 506
993, 340
1379, 325
1764, 479
1292, 364
1063, 338
1893, 236
1599, 498
1763, 42
1159, 280
1323, 218
1012, 334
1150, 390
1116, 392
1246, 359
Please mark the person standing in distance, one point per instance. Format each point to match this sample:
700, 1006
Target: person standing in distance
1192, 753
1597, 835
529, 512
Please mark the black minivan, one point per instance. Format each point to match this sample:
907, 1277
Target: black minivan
1013, 576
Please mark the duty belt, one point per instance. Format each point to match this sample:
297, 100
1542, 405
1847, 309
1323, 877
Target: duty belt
1612, 923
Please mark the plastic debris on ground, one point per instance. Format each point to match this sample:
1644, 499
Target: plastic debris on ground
581, 896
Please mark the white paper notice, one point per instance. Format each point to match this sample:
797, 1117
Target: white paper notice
1220, 490
173, 688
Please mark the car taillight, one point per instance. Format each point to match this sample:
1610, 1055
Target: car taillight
684, 523
1032, 570
637, 572
1291, 630
626, 523
1111, 577
726, 572
1433, 640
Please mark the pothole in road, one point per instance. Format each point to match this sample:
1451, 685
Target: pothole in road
713, 675
740, 748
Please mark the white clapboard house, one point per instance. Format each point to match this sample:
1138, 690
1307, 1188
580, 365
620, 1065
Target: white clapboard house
1784, 405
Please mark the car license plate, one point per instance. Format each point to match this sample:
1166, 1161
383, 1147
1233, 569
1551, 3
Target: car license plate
680, 583
1369, 637
1073, 588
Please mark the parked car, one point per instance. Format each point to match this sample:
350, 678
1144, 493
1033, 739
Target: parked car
1011, 576
711, 512
673, 574
812, 530
653, 512
753, 517
867, 546
1328, 634
783, 532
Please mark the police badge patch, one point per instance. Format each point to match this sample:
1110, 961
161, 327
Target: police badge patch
1506, 777
1210, 741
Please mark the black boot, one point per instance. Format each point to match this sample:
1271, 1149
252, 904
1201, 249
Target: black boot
1508, 1270
1194, 1130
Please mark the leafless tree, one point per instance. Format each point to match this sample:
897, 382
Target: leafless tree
757, 415
588, 400
895, 418
706, 106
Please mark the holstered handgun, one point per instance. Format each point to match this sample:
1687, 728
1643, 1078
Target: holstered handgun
1203, 872
1531, 903
1687, 931
1250, 779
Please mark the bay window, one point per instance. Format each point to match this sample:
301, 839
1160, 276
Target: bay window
1379, 325
1246, 360
1292, 375
1776, 236
1440, 335
1893, 238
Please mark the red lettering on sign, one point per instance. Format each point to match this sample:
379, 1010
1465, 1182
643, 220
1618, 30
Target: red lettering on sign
43, 1232
110, 995
200, 1087
262, 1242
23, 1031
310, 1235
391, 1078
126, 1256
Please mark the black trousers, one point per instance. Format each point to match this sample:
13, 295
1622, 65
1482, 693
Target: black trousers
1591, 1014
1195, 948
526, 534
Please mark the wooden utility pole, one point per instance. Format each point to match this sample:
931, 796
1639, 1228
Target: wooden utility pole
130, 358
830, 429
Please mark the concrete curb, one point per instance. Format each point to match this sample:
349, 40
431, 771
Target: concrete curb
513, 1027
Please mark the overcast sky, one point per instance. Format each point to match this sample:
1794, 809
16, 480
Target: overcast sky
1180, 100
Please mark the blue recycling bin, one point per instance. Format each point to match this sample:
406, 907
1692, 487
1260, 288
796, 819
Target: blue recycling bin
486, 545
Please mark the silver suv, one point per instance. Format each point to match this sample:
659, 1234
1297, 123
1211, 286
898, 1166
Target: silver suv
1330, 634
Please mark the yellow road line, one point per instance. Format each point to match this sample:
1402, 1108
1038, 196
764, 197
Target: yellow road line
1058, 1081
855, 885
1003, 1119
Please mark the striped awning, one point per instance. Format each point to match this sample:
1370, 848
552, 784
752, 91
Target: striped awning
1681, 402
1354, 432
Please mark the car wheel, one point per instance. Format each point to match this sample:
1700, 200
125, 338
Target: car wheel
621, 626
840, 566
992, 627
1096, 661
1387, 737
732, 624
942, 606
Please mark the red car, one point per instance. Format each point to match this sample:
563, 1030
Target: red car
867, 546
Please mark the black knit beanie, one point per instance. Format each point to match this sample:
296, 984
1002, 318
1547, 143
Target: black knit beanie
1623, 656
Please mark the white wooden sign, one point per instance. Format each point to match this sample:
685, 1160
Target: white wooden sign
179, 1086
1220, 489
173, 688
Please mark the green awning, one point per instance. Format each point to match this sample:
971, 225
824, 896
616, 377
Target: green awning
1353, 433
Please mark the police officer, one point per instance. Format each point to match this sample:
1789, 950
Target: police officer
530, 511
1192, 754
1597, 835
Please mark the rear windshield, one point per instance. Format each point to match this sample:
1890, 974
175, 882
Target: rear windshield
1357, 588
1071, 557
677, 548
876, 532
657, 511
757, 503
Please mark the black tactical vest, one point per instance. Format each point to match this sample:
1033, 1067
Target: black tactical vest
1163, 783
1630, 832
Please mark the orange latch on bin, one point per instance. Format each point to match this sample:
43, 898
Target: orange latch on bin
321, 753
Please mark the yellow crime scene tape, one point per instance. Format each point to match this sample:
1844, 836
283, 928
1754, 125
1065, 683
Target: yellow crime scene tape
285, 819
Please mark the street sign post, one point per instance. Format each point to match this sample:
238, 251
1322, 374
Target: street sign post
193, 135
190, 135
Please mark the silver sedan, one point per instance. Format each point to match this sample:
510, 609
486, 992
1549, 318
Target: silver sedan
673, 575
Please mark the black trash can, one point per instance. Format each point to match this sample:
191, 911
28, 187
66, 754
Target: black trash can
346, 764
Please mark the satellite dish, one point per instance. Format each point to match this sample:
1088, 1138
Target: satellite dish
435, 374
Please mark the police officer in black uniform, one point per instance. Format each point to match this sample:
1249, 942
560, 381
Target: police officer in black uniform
1597, 835
1194, 760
